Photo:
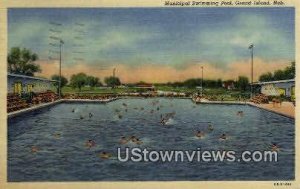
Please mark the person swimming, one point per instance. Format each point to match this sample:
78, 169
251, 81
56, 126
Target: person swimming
34, 149
157, 108
90, 115
120, 116
200, 134
138, 141
274, 147
210, 127
163, 121
124, 104
73, 110
90, 143
223, 136
105, 155
56, 135
123, 140
240, 113
133, 139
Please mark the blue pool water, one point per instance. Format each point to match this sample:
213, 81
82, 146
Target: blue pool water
66, 158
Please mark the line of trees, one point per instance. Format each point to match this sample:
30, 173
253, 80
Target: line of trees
81, 79
242, 83
287, 73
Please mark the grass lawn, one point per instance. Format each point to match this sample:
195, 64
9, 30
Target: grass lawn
68, 89
215, 93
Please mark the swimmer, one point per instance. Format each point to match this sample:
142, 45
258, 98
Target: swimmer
223, 136
120, 116
133, 139
274, 147
73, 110
124, 104
164, 121
90, 143
34, 149
104, 155
56, 135
240, 113
81, 117
123, 140
200, 134
210, 127
90, 115
138, 141
157, 108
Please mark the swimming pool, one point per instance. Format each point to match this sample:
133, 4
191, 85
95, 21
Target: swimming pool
60, 135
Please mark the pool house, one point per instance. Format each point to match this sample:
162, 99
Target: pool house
277, 88
22, 84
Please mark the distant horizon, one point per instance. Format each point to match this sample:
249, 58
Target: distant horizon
156, 45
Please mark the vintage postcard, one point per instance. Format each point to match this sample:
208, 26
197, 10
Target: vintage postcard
168, 94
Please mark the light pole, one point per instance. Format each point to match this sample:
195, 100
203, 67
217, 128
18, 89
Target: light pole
61, 42
202, 82
114, 72
251, 47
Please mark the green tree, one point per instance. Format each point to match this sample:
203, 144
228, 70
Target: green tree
219, 83
112, 81
92, 81
290, 71
21, 61
63, 83
242, 83
192, 83
287, 73
279, 75
78, 80
266, 77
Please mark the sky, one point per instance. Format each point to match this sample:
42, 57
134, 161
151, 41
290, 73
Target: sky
156, 44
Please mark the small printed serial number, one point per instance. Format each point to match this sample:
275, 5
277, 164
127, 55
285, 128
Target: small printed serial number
282, 184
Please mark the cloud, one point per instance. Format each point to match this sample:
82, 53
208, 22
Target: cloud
229, 42
154, 73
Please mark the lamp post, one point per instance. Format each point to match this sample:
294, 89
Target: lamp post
202, 82
61, 42
114, 72
251, 47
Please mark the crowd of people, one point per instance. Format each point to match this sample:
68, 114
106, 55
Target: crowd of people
15, 102
260, 99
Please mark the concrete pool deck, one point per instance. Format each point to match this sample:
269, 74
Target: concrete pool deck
44, 105
32, 108
286, 108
